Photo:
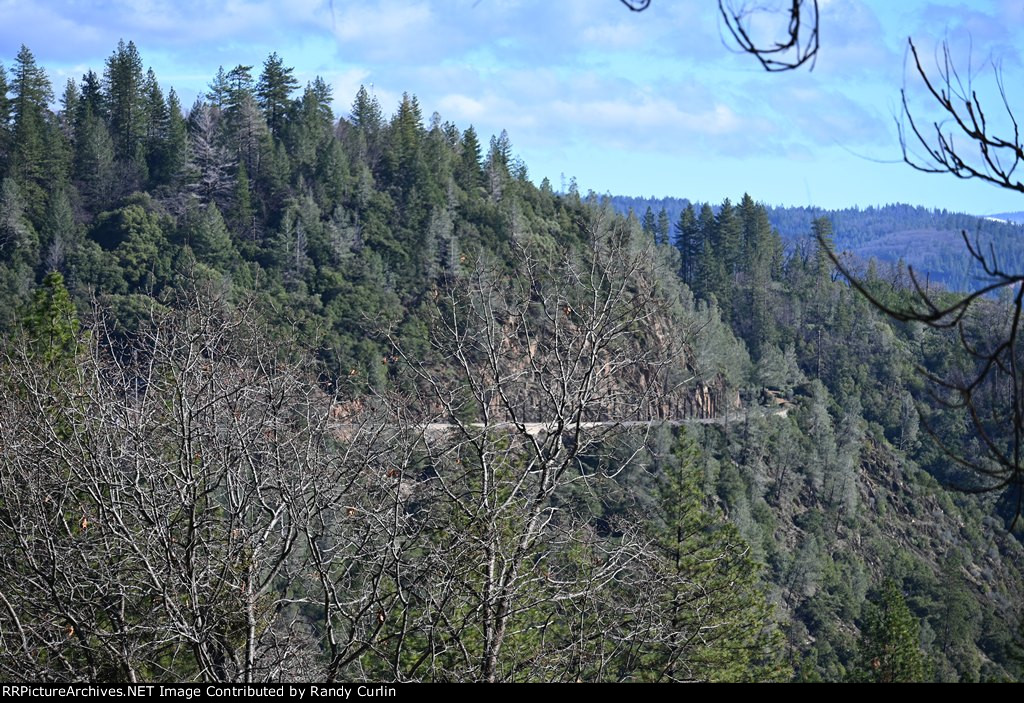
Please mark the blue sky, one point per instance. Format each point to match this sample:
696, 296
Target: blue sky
654, 103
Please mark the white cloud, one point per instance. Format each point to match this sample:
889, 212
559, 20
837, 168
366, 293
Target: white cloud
462, 107
647, 114
620, 35
383, 22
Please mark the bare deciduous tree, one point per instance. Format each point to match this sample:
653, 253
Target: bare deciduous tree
797, 43
545, 394
777, 46
155, 498
183, 502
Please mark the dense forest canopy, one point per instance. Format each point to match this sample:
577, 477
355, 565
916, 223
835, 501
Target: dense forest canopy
928, 241
286, 396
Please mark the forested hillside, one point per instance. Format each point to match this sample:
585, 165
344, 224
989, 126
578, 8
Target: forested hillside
290, 397
896, 236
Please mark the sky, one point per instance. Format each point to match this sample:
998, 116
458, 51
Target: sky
656, 103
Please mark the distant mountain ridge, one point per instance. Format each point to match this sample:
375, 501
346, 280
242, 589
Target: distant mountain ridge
1015, 217
928, 240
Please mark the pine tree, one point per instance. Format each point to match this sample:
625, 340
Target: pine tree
32, 96
762, 249
247, 133
719, 624
217, 95
209, 239
69, 109
59, 232
176, 155
156, 141
273, 93
5, 119
821, 231
312, 131
499, 158
364, 140
19, 244
711, 278
404, 166
238, 84
729, 238
93, 162
648, 223
663, 227
689, 243
468, 173
51, 324
366, 113
243, 218
124, 94
92, 96
890, 650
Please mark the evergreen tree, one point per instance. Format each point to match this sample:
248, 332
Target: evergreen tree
366, 113
19, 244
210, 164
312, 131
890, 649
719, 623
468, 173
59, 231
5, 119
238, 85
51, 325
93, 162
157, 137
762, 249
176, 153
365, 139
404, 165
821, 231
209, 239
69, 109
32, 96
689, 243
91, 100
125, 97
648, 223
663, 226
247, 132
243, 218
499, 158
217, 95
729, 238
711, 278
273, 92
